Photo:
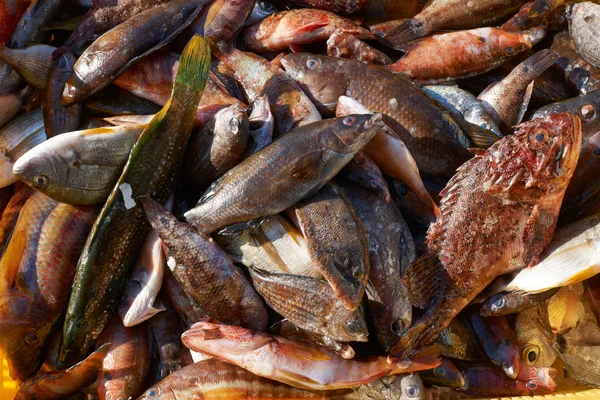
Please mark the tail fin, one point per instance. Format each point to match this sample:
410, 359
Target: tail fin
541, 6
405, 32
535, 65
194, 66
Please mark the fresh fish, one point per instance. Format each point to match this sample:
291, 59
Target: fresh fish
217, 378
38, 269
261, 125
584, 27
79, 167
445, 374
486, 380
344, 44
215, 148
523, 20
386, 10
205, 272
571, 257
452, 15
592, 294
507, 100
336, 241
290, 106
222, 19
11, 212
10, 12
58, 118
123, 45
336, 6
16, 138
261, 10
363, 172
497, 341
391, 249
417, 215
534, 338
463, 54
294, 28
116, 101
126, 364
188, 310
274, 246
55, 385
580, 74
32, 63
310, 304
457, 341
393, 387
541, 6
565, 309
120, 229
284, 172
299, 364
459, 262
10, 104
580, 359
506, 303
431, 136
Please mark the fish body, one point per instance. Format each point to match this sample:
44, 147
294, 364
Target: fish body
11, 103
10, 12
525, 192
430, 134
463, 54
32, 63
299, 364
189, 311
580, 74
506, 303
534, 338
344, 44
261, 125
282, 173
58, 118
584, 27
565, 309
445, 374
363, 172
261, 10
336, 6
223, 19
10, 214
522, 20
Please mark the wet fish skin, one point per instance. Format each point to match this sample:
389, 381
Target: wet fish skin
565, 310
336, 6
299, 364
189, 311
32, 63
288, 330
125, 44
506, 303
452, 15
584, 27
216, 148
344, 44
261, 125
580, 359
291, 107
58, 118
223, 19
445, 374
127, 362
457, 341
522, 20
294, 28
116, 101
232, 381
534, 338
10, 214
120, 229
481, 50
502, 176
391, 249
363, 172
284, 172
75, 167
206, 272
10, 104
10, 14
16, 138
431, 136
310, 304
61, 384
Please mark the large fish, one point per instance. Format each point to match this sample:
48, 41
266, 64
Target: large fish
584, 27
32, 63
517, 184
579, 73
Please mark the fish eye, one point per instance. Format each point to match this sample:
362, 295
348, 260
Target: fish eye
153, 392
510, 50
441, 371
403, 190
266, 7
312, 63
41, 180
587, 112
352, 326
349, 121
531, 385
498, 304
412, 391
352, 5
531, 354
484, 125
397, 327
540, 137
62, 62
597, 151
31, 339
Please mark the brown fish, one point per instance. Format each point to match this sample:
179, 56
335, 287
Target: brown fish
261, 125
445, 374
58, 118
336, 6
457, 341
534, 338
513, 302
430, 134
205, 271
523, 20
189, 311
125, 366
522, 178
580, 74
223, 19
363, 172
463, 54
288, 330
281, 174
337, 242
346, 45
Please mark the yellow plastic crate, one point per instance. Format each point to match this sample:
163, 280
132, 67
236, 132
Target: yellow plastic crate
8, 387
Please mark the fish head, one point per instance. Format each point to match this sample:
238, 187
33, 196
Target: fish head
160, 391
73, 92
322, 78
538, 160
537, 353
41, 169
64, 63
352, 6
347, 135
231, 121
349, 326
411, 387
536, 381
448, 374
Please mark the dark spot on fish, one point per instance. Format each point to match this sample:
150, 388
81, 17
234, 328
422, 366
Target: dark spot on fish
589, 18
507, 342
597, 151
510, 50
212, 334
526, 69
107, 375
481, 39
418, 25
397, 327
540, 137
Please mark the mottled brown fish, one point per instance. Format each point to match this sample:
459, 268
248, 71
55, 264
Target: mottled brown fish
344, 44
223, 19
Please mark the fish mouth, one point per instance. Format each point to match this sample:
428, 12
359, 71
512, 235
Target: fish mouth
287, 66
510, 370
375, 121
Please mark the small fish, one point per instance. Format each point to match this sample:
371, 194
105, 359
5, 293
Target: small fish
222, 19
311, 304
290, 331
565, 309
522, 20
294, 28
459, 262
125, 44
55, 385
126, 364
189, 311
58, 118
534, 338
571, 257
345, 44
261, 125
452, 15
445, 374
282, 173
32, 63
363, 172
205, 272
10, 104
463, 54
261, 10
457, 341
497, 341
299, 364
584, 26
76, 167
507, 100
506, 303
16, 138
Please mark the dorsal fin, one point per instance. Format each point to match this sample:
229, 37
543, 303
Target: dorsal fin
424, 279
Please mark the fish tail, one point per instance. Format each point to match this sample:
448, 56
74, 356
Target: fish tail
405, 32
420, 334
193, 70
539, 7
535, 65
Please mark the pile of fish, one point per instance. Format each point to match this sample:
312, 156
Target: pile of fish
305, 199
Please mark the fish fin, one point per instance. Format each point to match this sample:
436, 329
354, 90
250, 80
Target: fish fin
426, 358
194, 66
422, 278
524, 103
480, 137
314, 25
538, 232
423, 332
11, 260
308, 166
85, 370
296, 48
478, 151
539, 7
405, 32
241, 226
